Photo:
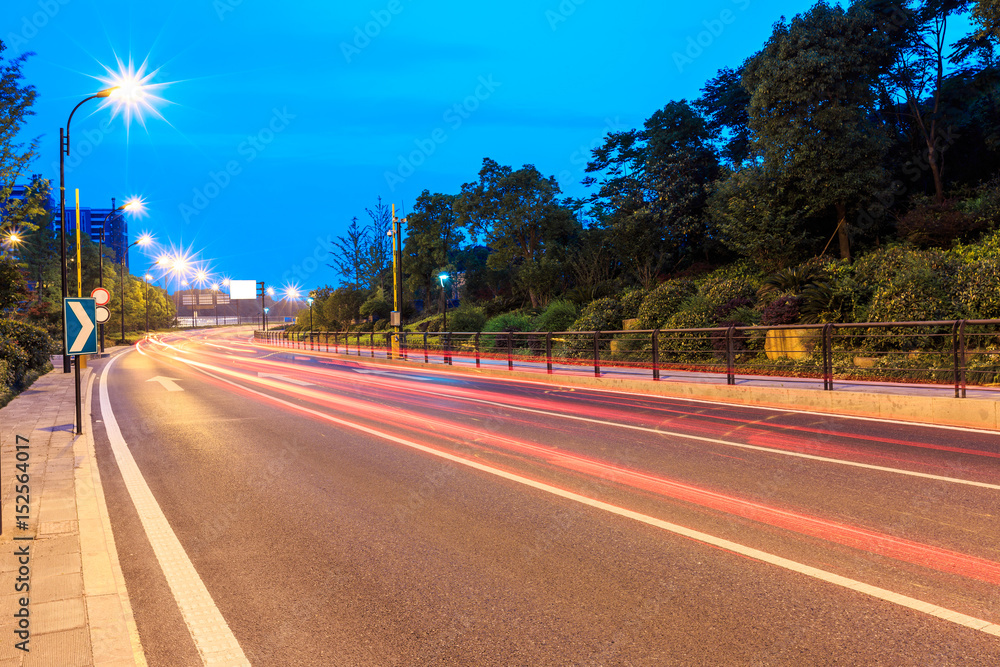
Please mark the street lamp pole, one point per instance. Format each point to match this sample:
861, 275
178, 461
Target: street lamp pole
443, 277
63, 153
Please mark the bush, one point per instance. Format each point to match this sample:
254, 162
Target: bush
558, 316
511, 322
662, 303
783, 310
600, 315
731, 282
923, 287
35, 341
376, 307
632, 301
932, 225
467, 318
17, 361
979, 289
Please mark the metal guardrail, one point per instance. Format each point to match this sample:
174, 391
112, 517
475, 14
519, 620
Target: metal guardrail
958, 352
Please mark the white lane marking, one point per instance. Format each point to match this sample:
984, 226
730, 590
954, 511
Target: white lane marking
807, 570
392, 374
716, 441
169, 384
215, 641
285, 378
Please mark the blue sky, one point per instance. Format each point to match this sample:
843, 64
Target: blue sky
283, 120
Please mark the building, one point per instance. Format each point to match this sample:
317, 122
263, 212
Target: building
92, 223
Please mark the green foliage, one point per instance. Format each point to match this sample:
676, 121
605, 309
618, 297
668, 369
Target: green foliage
695, 313
35, 341
979, 288
632, 299
12, 285
600, 315
466, 318
342, 307
515, 321
924, 287
559, 315
663, 302
376, 307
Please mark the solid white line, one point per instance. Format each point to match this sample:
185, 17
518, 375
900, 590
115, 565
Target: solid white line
750, 552
215, 641
716, 441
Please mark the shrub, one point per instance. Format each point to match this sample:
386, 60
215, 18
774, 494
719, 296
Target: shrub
467, 318
937, 225
376, 307
924, 287
979, 288
511, 322
660, 304
737, 303
600, 315
632, 301
729, 282
783, 310
695, 313
558, 316
17, 361
35, 341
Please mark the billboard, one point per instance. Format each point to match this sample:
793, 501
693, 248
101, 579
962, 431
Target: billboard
242, 289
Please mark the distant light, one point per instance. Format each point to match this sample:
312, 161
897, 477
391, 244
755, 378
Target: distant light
310, 300
270, 291
215, 287
226, 282
184, 283
135, 205
145, 239
149, 277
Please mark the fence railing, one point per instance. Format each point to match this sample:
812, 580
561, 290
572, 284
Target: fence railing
951, 352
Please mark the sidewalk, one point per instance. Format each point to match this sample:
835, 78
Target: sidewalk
78, 611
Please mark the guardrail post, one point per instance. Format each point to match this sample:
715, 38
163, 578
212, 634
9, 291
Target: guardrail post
730, 356
426, 359
597, 354
828, 357
388, 347
656, 354
548, 352
510, 351
371, 344
958, 350
476, 343
447, 348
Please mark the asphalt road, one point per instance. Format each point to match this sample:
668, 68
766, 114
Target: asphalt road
344, 514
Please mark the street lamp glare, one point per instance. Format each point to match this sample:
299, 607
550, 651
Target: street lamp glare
215, 286
145, 239
149, 277
134, 205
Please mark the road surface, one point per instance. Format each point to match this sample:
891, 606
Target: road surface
334, 513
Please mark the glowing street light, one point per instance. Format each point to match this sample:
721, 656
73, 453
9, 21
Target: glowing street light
143, 240
443, 277
133, 205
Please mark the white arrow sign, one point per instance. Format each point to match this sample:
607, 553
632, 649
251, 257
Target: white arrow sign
86, 326
285, 379
168, 383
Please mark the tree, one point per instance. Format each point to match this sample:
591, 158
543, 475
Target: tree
349, 254
432, 237
378, 253
811, 104
653, 190
16, 101
13, 289
723, 104
517, 214
917, 80
342, 307
986, 13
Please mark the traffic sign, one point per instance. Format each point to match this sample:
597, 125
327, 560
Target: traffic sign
103, 315
81, 330
101, 296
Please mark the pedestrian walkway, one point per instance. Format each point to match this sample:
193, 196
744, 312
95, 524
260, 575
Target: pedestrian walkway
77, 607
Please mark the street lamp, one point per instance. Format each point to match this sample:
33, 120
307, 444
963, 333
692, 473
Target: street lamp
146, 299
215, 301
143, 240
135, 204
443, 277
63, 153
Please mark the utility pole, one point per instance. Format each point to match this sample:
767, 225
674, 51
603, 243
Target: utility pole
396, 232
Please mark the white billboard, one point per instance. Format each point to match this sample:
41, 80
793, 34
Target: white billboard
243, 289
